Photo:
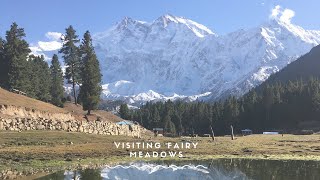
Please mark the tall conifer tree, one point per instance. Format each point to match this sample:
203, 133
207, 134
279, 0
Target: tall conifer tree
71, 57
45, 80
3, 64
91, 77
56, 89
16, 51
39, 77
124, 111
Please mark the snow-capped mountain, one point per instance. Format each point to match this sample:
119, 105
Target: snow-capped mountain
174, 57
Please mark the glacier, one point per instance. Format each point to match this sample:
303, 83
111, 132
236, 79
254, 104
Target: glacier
177, 58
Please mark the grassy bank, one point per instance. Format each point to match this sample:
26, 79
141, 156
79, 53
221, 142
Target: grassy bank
54, 150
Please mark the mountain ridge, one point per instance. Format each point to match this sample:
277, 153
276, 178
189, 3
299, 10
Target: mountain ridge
303, 68
167, 59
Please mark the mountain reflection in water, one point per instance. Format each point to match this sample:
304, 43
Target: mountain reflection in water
221, 169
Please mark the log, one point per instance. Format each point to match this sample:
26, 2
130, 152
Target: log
232, 135
212, 133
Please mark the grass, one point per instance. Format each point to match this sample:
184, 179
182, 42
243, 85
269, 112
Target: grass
54, 150
32, 151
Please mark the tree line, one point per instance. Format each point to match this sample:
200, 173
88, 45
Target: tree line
19, 69
280, 106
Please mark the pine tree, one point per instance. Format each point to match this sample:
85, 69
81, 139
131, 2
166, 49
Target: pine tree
156, 117
16, 51
169, 125
71, 57
39, 78
90, 74
124, 111
56, 89
3, 65
45, 80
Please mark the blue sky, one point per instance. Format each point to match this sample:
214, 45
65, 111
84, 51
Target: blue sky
38, 17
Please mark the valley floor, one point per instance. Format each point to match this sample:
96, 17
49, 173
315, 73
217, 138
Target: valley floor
38, 151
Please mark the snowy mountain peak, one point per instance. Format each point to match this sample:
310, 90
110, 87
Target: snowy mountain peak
126, 21
285, 28
198, 29
174, 57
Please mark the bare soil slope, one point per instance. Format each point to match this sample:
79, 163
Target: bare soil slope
77, 111
9, 98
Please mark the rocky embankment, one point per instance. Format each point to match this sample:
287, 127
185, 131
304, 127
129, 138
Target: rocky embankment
21, 119
23, 112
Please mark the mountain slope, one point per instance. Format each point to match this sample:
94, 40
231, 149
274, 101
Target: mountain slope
174, 57
305, 67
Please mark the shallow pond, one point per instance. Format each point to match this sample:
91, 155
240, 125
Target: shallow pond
222, 169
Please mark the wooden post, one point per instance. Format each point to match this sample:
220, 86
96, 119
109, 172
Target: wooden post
232, 135
212, 133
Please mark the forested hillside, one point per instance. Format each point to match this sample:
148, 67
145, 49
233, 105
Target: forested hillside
303, 68
288, 100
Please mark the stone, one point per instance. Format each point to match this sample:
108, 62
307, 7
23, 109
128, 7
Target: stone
21, 127
81, 129
8, 121
64, 126
1, 125
40, 127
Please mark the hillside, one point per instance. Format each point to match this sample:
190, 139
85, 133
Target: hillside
77, 111
17, 100
303, 68
9, 98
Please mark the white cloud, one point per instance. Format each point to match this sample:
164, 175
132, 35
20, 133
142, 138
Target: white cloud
43, 47
275, 12
287, 15
283, 15
54, 36
35, 50
49, 45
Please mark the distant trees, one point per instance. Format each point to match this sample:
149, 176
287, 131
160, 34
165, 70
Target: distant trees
72, 60
56, 89
124, 111
277, 106
169, 126
90, 89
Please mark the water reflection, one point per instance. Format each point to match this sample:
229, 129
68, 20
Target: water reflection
224, 169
